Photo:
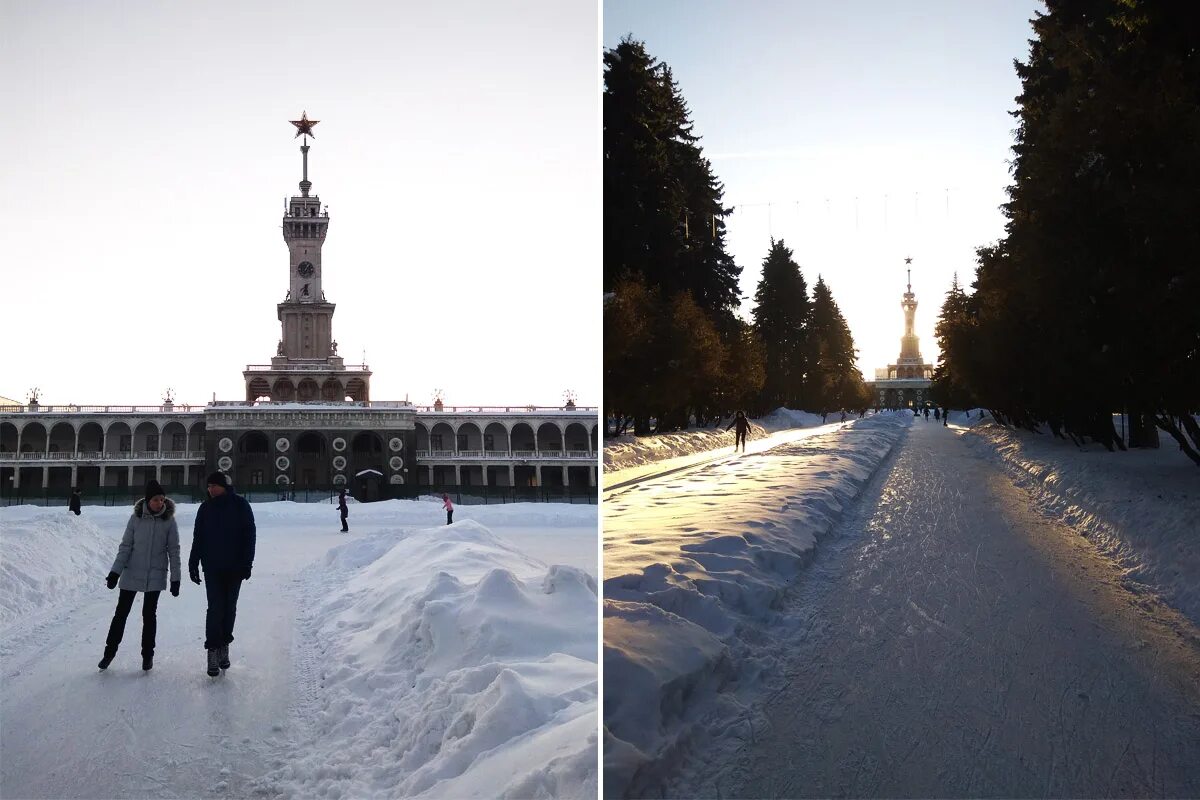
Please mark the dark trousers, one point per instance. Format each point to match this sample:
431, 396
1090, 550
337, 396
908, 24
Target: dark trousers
149, 621
222, 589
345, 527
739, 437
449, 516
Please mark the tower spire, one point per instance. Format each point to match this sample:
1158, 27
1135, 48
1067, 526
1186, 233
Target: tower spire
305, 183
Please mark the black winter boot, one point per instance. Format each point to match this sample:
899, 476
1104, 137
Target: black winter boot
223, 656
147, 662
109, 653
214, 668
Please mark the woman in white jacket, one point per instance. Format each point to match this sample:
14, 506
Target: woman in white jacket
150, 544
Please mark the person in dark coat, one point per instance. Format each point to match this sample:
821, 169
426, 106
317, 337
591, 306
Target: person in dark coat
739, 436
149, 546
223, 543
343, 510
74, 505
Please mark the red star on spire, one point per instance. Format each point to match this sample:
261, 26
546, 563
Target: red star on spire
304, 125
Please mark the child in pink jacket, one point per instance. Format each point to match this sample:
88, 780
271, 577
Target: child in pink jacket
446, 504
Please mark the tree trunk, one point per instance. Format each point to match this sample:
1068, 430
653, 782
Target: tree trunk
1142, 430
1167, 423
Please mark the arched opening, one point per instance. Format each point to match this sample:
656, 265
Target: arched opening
522, 442
174, 439
469, 440
312, 462
331, 390
495, 438
62, 438
441, 440
422, 437
283, 390
356, 389
146, 438
576, 438
549, 439
258, 389
33, 439
307, 391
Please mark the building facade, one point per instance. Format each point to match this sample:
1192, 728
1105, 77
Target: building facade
307, 419
906, 383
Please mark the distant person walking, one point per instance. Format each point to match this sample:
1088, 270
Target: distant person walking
74, 505
223, 543
149, 546
446, 504
343, 510
946, 418
927, 413
739, 436
937, 414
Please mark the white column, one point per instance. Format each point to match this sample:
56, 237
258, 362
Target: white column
592, 477
75, 472
130, 472
566, 476
457, 472
187, 474
45, 478
103, 471
512, 479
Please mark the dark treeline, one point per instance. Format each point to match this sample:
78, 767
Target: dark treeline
1088, 305
674, 347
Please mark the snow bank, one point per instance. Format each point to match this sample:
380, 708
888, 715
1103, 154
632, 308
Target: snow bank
627, 451
450, 664
680, 583
49, 557
1140, 507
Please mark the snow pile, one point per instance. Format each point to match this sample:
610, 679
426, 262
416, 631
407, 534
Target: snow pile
450, 664
51, 557
680, 582
627, 451
1139, 507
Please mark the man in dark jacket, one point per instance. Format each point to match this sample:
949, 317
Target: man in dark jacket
223, 543
343, 510
74, 505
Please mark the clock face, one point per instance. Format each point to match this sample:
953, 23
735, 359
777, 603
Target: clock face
305, 269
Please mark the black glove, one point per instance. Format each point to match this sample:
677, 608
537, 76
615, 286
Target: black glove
194, 574
111, 580
246, 574
175, 588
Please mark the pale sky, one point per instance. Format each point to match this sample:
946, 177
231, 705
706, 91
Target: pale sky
147, 154
804, 107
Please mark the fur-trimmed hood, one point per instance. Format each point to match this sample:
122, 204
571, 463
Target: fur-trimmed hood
167, 513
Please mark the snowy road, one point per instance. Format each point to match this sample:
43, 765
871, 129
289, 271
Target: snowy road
949, 641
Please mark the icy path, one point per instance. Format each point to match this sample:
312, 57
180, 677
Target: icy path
948, 641
69, 730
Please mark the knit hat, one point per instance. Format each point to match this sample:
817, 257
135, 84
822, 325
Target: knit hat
153, 489
219, 479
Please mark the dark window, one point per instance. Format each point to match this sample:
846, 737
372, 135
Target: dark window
256, 477
179, 441
462, 441
126, 444
435, 441
152, 441
489, 442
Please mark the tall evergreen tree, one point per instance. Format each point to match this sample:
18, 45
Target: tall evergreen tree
834, 379
781, 316
663, 213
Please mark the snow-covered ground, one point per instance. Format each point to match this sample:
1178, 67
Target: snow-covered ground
406, 658
623, 452
707, 628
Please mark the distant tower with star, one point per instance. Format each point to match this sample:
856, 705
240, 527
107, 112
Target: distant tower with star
905, 383
306, 366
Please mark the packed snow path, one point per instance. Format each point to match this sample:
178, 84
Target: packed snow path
949, 641
68, 730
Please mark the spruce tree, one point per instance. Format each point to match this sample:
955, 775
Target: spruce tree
781, 316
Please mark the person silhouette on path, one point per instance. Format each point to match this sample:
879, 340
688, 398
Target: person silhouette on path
743, 425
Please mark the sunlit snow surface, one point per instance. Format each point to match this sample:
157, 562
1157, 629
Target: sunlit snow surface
406, 658
699, 549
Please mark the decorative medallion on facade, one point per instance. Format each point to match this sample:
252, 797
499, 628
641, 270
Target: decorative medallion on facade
282, 480
396, 479
339, 444
339, 480
395, 444
339, 462
225, 445
396, 462
282, 444
282, 463
225, 463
